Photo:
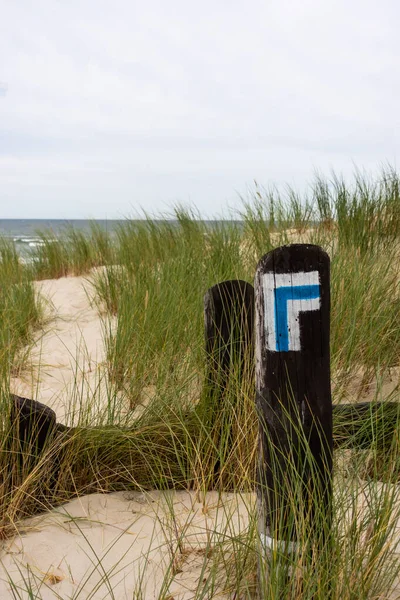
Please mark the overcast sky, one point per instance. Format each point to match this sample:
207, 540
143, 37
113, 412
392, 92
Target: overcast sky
107, 107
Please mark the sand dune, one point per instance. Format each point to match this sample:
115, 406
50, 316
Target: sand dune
121, 545
134, 537
68, 358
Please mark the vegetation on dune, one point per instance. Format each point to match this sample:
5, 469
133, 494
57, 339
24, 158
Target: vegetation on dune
152, 433
20, 310
73, 253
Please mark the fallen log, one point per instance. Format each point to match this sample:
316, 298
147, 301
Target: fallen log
156, 454
365, 424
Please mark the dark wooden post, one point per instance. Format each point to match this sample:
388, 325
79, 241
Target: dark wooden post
293, 394
229, 343
229, 325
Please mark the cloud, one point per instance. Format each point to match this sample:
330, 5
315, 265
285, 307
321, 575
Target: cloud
179, 101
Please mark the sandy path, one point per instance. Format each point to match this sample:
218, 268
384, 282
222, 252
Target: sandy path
67, 361
121, 545
134, 536
144, 552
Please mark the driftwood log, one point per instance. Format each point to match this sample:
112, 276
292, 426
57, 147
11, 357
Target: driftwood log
110, 458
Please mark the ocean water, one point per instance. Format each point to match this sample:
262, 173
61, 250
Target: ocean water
25, 232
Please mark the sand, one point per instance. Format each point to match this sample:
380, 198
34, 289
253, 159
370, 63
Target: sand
124, 542
119, 545
68, 358
143, 552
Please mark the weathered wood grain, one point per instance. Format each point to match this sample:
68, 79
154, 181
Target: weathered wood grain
293, 393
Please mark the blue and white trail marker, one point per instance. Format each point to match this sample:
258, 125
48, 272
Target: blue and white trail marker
293, 397
286, 296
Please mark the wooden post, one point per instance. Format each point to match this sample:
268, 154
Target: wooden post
229, 325
293, 394
229, 342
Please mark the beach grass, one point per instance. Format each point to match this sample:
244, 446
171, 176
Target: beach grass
20, 310
156, 431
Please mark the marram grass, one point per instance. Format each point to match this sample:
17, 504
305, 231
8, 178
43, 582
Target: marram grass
157, 431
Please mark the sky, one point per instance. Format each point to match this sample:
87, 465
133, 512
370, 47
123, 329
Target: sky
111, 108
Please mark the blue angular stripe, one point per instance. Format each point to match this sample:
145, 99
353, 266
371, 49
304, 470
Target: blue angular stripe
282, 295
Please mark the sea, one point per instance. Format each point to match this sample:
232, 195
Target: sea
25, 232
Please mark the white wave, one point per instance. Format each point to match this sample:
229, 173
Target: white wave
34, 241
